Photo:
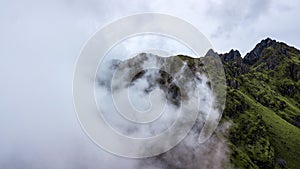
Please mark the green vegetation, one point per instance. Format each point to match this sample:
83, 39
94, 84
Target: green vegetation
264, 108
263, 94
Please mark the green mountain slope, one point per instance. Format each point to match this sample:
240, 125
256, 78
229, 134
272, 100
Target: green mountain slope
263, 104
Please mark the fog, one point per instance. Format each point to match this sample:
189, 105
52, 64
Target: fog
41, 40
187, 154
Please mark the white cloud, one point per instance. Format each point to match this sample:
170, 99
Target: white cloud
40, 41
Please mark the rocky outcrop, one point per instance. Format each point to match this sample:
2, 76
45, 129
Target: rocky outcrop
256, 53
233, 55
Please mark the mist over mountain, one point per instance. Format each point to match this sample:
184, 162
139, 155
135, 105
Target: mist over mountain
263, 94
260, 126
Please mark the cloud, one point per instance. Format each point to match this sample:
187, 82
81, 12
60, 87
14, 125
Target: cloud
39, 44
235, 13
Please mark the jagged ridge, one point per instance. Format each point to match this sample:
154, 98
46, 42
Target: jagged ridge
263, 103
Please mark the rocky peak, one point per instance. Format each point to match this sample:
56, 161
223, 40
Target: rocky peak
234, 66
256, 53
212, 53
232, 55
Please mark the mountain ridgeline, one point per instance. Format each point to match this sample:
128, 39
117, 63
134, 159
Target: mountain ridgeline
263, 105
262, 108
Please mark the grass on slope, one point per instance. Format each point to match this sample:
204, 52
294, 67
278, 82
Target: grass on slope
283, 137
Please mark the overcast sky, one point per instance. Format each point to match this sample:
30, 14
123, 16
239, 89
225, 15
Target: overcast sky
40, 41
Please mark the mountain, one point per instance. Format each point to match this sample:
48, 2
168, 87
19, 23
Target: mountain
185, 84
262, 108
263, 104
